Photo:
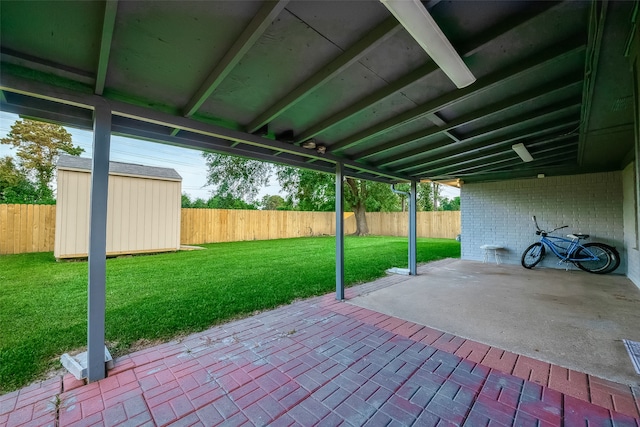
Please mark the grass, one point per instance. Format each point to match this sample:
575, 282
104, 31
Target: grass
43, 303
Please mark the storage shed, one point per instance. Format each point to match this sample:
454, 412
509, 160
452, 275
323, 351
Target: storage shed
143, 213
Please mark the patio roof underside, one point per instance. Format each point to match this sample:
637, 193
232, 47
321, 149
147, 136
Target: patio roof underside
258, 79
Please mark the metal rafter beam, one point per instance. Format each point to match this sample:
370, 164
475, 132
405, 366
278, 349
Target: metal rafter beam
31, 107
425, 169
129, 129
265, 16
547, 58
218, 145
368, 101
466, 50
594, 45
329, 71
560, 108
505, 154
566, 155
108, 24
12, 83
481, 114
436, 120
556, 160
532, 172
550, 131
22, 59
498, 156
485, 132
568, 158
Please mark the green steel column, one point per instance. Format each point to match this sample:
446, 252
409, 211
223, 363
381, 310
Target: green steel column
98, 241
413, 234
339, 234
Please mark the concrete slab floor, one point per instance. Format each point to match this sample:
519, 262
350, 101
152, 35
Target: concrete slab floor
569, 318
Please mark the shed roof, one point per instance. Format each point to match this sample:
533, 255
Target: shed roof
82, 163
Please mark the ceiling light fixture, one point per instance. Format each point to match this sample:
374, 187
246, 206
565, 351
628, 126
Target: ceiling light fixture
416, 20
522, 151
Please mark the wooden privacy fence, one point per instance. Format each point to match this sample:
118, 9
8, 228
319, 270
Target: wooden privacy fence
27, 228
221, 225
31, 228
444, 225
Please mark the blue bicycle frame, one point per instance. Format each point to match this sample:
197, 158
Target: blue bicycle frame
567, 254
592, 257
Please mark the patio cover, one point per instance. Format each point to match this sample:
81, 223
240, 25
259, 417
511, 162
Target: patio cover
265, 79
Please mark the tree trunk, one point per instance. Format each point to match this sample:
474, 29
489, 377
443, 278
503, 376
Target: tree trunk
357, 196
362, 229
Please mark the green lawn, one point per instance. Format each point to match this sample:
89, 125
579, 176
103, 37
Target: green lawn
43, 303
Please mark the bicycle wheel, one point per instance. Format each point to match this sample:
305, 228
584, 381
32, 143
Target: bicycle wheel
613, 254
532, 255
590, 250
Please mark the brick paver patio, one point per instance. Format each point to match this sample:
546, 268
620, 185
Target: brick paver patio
325, 362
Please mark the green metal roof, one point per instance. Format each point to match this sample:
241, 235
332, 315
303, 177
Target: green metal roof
258, 79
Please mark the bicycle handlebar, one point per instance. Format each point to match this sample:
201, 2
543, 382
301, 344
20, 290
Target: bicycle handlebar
535, 221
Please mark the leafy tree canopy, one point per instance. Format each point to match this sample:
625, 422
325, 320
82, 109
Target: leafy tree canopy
309, 190
450, 204
275, 203
38, 146
15, 187
236, 176
216, 202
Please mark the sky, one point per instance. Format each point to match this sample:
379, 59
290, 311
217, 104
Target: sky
188, 163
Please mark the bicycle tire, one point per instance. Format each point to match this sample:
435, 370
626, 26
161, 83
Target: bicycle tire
613, 254
592, 266
532, 255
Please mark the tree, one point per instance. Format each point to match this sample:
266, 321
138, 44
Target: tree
435, 192
315, 191
425, 197
367, 196
216, 202
272, 203
450, 204
15, 187
185, 201
306, 189
236, 176
229, 202
38, 147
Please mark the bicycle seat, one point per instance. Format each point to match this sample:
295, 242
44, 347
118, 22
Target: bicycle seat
578, 236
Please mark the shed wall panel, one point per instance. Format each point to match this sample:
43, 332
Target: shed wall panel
142, 214
72, 213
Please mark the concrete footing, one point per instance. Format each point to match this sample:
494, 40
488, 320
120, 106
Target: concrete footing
77, 365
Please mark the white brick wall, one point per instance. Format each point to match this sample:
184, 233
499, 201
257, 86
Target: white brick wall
500, 213
631, 223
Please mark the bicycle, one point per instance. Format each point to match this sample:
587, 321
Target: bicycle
597, 258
